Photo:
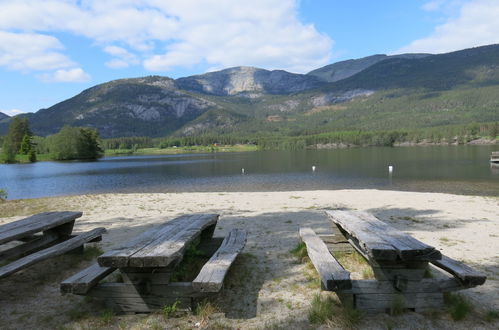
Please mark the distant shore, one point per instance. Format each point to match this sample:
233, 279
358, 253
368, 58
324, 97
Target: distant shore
462, 227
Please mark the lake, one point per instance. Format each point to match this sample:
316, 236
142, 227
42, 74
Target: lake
449, 169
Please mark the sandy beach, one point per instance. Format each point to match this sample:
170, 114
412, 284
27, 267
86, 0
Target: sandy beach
274, 294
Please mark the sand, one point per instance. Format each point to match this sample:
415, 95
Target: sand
274, 291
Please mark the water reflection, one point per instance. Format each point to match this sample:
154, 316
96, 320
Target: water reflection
461, 169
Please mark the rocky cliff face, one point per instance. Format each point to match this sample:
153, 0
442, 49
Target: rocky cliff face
248, 81
125, 107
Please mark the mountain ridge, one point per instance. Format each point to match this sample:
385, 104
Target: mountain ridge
250, 100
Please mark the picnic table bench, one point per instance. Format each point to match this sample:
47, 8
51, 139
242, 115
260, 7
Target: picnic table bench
149, 261
399, 264
56, 238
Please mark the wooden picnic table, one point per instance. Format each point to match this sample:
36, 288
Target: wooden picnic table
399, 263
44, 235
147, 262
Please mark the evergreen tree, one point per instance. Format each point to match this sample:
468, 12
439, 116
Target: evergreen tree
76, 143
18, 129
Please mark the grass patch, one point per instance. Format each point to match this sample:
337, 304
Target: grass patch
398, 305
92, 252
459, 307
170, 310
204, 310
321, 309
354, 262
492, 315
329, 310
300, 251
106, 317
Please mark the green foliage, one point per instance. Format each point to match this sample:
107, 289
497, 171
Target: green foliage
170, 310
3, 194
17, 132
76, 143
459, 306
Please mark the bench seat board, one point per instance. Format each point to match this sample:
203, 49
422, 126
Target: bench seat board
35, 223
53, 251
383, 301
380, 241
427, 285
159, 246
82, 282
39, 242
467, 275
211, 276
333, 275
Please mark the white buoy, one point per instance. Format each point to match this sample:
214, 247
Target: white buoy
313, 168
390, 168
242, 170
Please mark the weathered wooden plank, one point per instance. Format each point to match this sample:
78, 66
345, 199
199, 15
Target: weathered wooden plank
333, 275
467, 275
365, 242
427, 285
380, 241
159, 246
37, 243
35, 223
128, 290
383, 301
156, 275
53, 251
83, 281
211, 276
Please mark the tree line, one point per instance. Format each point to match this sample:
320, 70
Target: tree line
69, 143
84, 143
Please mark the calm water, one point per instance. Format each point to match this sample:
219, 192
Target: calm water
453, 169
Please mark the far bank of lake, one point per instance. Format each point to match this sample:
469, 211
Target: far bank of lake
451, 169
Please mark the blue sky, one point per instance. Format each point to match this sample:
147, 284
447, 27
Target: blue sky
53, 49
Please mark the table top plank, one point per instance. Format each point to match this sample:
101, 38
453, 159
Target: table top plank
35, 223
159, 246
381, 241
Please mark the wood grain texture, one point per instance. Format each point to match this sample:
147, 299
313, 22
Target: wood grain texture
467, 275
211, 276
83, 281
333, 275
38, 242
53, 251
380, 241
159, 246
35, 223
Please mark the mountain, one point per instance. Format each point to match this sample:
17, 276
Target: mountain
375, 92
3, 116
344, 69
248, 80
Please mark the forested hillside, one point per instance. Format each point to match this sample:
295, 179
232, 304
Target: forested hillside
380, 92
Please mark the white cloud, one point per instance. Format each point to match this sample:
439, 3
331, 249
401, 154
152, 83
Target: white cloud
12, 112
31, 51
476, 24
122, 58
63, 75
166, 34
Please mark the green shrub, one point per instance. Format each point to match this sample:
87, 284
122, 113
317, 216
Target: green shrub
459, 306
